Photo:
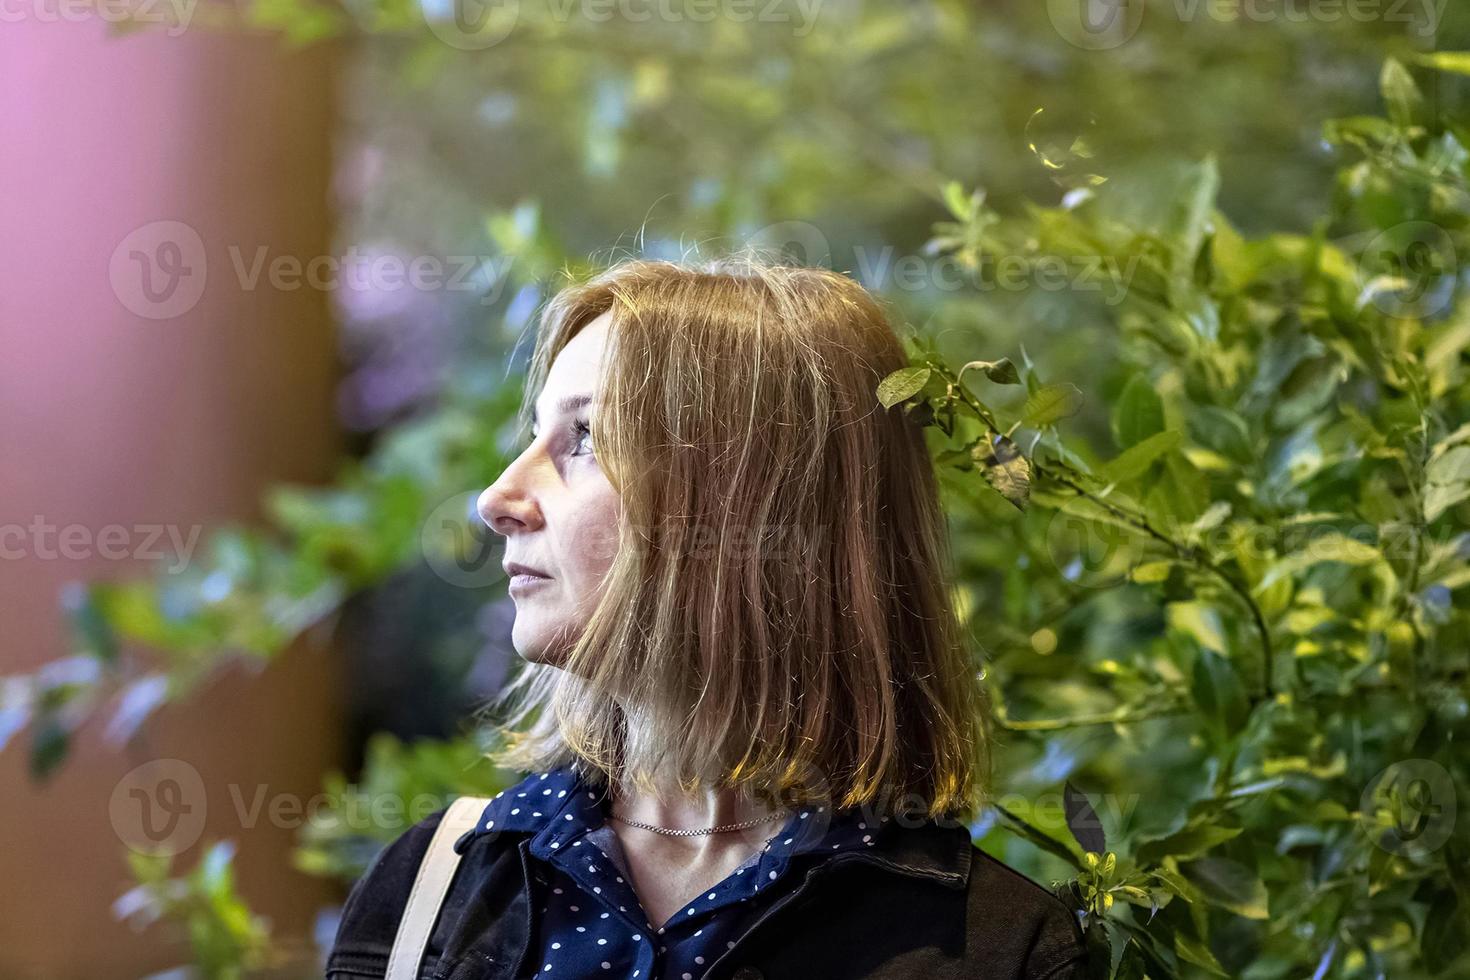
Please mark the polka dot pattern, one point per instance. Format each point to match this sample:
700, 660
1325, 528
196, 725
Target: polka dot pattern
587, 920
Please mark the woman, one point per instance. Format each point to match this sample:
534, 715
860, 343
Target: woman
753, 732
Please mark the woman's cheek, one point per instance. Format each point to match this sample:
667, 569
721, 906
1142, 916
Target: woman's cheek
595, 543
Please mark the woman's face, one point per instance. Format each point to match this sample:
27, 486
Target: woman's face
557, 510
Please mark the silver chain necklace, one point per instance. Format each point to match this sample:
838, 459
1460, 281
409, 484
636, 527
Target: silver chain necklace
696, 833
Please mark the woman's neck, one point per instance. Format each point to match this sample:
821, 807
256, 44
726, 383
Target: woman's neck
710, 808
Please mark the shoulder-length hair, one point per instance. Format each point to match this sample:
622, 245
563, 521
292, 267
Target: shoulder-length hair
778, 615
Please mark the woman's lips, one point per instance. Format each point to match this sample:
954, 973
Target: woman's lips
523, 581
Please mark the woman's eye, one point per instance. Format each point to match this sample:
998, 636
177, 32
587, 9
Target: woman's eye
581, 435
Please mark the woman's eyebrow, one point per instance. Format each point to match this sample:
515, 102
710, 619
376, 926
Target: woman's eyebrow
565, 405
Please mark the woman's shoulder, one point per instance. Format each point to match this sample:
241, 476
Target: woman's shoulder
371, 913
1009, 909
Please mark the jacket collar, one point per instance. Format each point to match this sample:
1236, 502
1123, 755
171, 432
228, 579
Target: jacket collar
558, 806
936, 851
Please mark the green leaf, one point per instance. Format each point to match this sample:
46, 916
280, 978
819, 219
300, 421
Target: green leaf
1172, 880
960, 458
1460, 435
1218, 691
1005, 469
89, 622
1361, 131
902, 385
1067, 851
1186, 844
1002, 372
1099, 951
1182, 495
1447, 481
1399, 92
1130, 967
50, 742
1198, 953
1082, 820
1229, 884
960, 204
1209, 520
1151, 572
1327, 547
1457, 62
1198, 619
1139, 412
1050, 404
1171, 200
1135, 461
1276, 766
1446, 931
1221, 430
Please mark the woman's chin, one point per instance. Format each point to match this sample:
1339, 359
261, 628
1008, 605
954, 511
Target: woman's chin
537, 649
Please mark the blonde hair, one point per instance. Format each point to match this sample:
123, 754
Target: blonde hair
777, 617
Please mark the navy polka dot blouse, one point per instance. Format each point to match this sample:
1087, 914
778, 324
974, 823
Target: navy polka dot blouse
586, 918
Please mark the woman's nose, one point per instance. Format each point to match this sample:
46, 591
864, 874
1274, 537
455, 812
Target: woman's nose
506, 510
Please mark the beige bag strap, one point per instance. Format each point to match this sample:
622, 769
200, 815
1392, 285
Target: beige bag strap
430, 885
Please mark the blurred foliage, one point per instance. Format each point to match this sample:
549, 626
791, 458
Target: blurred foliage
400, 785
347, 825
1207, 491
226, 939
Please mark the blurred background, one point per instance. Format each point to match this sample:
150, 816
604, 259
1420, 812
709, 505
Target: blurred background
269, 274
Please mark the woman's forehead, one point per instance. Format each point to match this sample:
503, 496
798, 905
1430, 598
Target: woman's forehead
575, 372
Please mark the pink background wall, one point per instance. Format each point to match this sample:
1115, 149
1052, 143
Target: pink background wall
108, 417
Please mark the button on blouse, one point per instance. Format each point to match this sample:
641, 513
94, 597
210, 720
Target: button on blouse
587, 920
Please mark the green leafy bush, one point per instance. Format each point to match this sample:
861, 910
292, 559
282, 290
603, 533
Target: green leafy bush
1251, 602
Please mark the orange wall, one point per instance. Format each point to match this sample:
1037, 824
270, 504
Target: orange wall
108, 417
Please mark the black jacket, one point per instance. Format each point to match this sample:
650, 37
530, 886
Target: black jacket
933, 908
